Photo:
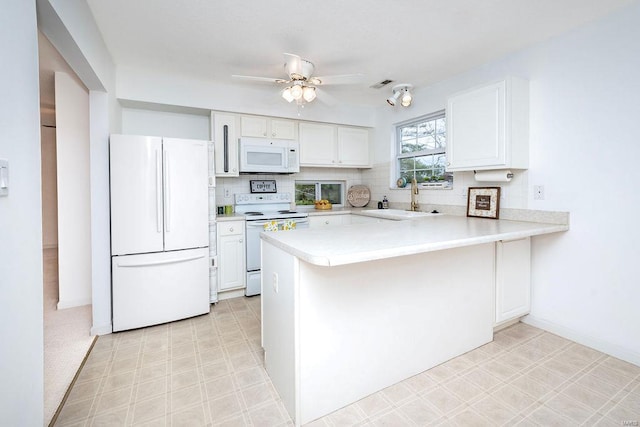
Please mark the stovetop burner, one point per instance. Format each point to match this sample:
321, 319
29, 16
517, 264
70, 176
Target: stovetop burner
260, 207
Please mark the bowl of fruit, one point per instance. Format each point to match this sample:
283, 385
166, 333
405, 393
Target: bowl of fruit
322, 204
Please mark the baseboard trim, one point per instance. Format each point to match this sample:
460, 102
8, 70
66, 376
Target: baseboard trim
587, 340
102, 329
73, 303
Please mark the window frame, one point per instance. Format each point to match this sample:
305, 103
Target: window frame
318, 191
399, 156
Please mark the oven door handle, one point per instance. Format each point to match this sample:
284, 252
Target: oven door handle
261, 223
256, 224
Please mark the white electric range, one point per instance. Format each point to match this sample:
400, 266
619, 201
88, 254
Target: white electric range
260, 209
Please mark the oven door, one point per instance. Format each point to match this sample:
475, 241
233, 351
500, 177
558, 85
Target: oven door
254, 228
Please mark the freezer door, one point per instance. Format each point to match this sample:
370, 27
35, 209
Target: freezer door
150, 289
186, 190
136, 194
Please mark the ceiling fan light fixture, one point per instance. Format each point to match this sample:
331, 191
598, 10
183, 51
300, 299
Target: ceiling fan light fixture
309, 93
296, 92
286, 94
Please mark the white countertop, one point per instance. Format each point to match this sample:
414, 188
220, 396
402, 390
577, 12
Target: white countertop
230, 217
347, 244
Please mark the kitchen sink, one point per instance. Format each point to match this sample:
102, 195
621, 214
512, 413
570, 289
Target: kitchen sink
397, 214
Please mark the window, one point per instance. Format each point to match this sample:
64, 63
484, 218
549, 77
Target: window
309, 191
421, 145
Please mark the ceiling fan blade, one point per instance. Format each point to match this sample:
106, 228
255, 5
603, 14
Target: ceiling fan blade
342, 79
292, 65
326, 98
260, 79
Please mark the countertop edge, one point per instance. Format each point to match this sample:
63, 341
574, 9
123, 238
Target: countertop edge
391, 252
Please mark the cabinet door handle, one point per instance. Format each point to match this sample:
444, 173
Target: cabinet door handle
240, 240
225, 138
327, 222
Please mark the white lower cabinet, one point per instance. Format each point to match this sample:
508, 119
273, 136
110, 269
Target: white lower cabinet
513, 279
316, 221
231, 255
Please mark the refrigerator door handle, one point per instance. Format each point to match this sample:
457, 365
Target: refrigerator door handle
158, 191
167, 193
168, 261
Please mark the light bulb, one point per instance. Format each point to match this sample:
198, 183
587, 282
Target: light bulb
296, 92
286, 94
406, 99
309, 93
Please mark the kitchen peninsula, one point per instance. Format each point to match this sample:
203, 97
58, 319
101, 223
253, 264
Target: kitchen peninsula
350, 310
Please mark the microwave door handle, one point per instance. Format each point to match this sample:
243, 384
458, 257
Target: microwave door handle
225, 139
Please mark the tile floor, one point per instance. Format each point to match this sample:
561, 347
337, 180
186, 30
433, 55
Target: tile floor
208, 371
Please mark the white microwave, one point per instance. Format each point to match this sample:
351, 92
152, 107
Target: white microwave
258, 155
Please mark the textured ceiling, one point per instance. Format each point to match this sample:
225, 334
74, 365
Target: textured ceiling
409, 41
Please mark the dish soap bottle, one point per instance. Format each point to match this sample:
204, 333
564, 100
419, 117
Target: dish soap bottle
385, 203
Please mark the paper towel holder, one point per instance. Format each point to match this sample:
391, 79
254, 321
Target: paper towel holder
506, 177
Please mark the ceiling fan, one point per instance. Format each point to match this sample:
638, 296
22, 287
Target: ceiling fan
301, 81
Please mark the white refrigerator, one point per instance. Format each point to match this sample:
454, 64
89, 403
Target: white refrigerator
159, 230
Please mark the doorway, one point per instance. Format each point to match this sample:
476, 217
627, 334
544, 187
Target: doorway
67, 337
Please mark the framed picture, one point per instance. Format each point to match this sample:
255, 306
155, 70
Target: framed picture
484, 202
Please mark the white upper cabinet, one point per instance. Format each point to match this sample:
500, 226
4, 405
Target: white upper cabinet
333, 146
353, 147
318, 145
266, 127
225, 142
488, 127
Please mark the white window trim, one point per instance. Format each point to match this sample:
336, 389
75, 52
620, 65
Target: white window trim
397, 147
317, 183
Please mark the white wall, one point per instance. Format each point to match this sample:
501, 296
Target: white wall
21, 330
154, 86
74, 196
49, 188
584, 149
137, 121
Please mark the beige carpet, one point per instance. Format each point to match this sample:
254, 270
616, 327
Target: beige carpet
66, 338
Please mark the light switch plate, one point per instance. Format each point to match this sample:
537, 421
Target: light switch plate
4, 177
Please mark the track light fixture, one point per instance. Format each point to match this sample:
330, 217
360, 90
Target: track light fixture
401, 92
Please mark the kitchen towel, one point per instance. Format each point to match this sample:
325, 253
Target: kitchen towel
288, 224
493, 176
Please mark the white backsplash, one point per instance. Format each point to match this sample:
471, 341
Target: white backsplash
227, 187
513, 194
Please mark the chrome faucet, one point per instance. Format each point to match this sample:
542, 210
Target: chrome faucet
414, 195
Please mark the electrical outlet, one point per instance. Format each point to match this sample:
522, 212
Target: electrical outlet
227, 193
538, 192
